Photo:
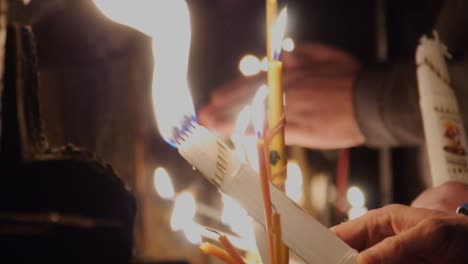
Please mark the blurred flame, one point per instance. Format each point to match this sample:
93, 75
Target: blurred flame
355, 212
357, 201
277, 32
293, 185
236, 217
355, 197
249, 65
168, 24
258, 109
243, 121
288, 44
193, 233
264, 64
183, 212
245, 146
163, 184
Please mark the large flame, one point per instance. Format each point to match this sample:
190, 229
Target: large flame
258, 109
167, 22
184, 211
277, 33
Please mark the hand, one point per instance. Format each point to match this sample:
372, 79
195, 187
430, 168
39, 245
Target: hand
400, 234
446, 197
317, 81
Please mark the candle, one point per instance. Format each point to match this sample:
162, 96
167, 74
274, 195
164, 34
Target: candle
277, 155
217, 252
276, 118
271, 13
281, 250
230, 249
266, 196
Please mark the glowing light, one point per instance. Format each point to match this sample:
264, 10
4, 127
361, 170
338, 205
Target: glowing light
243, 121
258, 109
236, 217
168, 24
249, 65
293, 185
355, 197
264, 64
288, 44
163, 184
277, 32
183, 212
356, 212
357, 201
193, 233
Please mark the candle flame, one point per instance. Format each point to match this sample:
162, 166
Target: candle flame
293, 185
245, 146
168, 24
355, 197
183, 212
243, 121
235, 216
258, 109
163, 184
277, 33
193, 233
249, 65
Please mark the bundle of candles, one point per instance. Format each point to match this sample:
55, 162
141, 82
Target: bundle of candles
285, 225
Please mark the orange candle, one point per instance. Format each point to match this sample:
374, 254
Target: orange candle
264, 182
217, 252
281, 250
231, 250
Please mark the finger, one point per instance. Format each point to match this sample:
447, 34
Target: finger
379, 224
433, 240
404, 248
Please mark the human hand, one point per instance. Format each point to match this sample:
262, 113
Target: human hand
401, 234
317, 82
446, 197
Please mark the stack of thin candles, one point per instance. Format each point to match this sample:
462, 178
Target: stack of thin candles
271, 148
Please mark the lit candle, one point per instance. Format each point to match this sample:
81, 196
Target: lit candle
217, 252
277, 155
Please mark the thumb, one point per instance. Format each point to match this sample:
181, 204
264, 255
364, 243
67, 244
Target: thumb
422, 242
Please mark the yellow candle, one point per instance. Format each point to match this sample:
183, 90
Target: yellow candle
277, 155
266, 197
217, 252
231, 250
271, 14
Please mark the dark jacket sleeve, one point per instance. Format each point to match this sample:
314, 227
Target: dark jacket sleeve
386, 105
386, 101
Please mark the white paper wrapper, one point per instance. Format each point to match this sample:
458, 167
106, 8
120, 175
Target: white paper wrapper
303, 234
443, 126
